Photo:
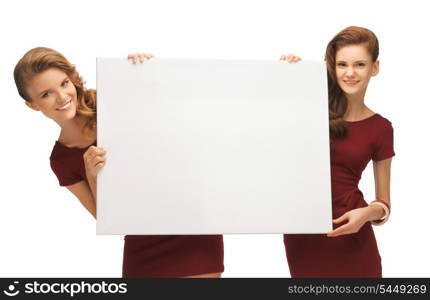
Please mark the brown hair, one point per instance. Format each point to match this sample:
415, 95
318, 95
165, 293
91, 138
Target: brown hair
40, 59
338, 103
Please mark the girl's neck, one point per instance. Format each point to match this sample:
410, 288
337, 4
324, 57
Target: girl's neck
356, 109
71, 134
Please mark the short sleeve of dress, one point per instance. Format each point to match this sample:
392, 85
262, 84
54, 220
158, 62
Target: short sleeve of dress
64, 174
384, 144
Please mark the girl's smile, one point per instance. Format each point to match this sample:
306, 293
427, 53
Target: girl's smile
65, 106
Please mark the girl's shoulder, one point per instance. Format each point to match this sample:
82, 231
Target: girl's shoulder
61, 152
382, 123
68, 163
374, 121
373, 126
382, 119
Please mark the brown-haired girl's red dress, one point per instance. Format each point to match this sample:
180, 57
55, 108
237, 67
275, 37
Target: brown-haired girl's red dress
154, 255
352, 255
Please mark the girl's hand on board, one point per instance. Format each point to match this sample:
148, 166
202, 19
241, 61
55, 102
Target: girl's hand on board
94, 159
139, 57
355, 218
290, 58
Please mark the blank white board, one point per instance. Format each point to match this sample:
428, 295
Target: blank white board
213, 146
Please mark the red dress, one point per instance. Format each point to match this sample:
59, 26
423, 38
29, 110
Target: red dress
352, 255
152, 255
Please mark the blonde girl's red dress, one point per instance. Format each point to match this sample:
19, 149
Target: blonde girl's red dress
154, 255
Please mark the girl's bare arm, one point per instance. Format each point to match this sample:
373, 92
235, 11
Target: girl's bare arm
83, 192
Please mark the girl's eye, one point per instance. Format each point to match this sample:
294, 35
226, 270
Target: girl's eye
341, 64
361, 64
65, 83
45, 95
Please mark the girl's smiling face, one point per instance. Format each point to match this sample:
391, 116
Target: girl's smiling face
354, 67
53, 93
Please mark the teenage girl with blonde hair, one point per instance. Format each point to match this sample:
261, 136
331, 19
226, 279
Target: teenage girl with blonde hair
49, 83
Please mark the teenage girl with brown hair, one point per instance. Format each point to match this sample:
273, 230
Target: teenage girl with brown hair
357, 135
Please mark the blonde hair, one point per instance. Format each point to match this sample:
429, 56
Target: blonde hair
40, 59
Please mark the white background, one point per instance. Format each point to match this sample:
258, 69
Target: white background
46, 232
